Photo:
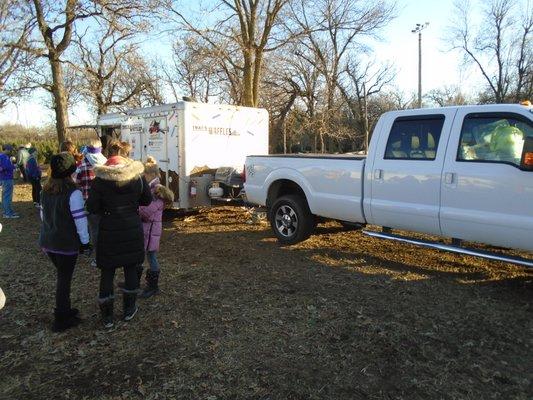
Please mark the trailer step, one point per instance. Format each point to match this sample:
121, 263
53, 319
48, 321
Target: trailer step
453, 249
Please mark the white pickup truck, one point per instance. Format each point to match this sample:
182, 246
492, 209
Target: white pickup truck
464, 173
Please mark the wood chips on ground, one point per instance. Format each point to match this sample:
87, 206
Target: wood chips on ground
339, 316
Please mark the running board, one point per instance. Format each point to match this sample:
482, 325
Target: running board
453, 249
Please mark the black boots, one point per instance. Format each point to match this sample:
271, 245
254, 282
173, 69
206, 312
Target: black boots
152, 284
106, 310
130, 308
64, 320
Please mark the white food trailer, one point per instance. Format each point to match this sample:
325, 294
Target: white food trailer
200, 148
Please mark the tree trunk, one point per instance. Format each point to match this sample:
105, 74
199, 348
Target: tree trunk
257, 78
101, 106
60, 99
247, 95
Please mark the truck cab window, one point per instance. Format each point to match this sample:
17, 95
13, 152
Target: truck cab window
495, 138
414, 138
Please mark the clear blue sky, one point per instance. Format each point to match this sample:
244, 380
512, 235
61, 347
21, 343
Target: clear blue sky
399, 45
441, 67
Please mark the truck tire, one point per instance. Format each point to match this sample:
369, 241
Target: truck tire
291, 220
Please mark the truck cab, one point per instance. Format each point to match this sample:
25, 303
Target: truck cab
454, 172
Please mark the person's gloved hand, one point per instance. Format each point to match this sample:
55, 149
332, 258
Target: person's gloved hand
86, 249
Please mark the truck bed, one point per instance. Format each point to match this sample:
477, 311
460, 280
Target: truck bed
333, 184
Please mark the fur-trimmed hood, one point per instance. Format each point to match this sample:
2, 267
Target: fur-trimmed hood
120, 172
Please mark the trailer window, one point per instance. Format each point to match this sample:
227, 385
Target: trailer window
414, 138
493, 137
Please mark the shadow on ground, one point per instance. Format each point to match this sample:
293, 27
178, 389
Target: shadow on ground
340, 316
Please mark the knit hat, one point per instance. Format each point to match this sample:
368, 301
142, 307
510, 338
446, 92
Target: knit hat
32, 150
62, 165
7, 147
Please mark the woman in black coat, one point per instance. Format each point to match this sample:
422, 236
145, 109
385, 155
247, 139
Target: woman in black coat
116, 194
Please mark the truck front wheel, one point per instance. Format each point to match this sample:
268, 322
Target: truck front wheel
291, 219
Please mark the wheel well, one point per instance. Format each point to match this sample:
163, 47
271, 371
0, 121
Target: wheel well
283, 187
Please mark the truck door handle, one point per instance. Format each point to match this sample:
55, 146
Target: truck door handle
378, 174
450, 178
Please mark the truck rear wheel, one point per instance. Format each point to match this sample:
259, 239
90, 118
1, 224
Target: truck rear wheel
291, 220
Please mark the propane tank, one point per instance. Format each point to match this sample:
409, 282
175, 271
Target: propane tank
215, 191
192, 190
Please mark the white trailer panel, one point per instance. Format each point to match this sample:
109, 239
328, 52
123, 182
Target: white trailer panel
190, 141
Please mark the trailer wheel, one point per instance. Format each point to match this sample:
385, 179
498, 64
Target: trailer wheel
291, 220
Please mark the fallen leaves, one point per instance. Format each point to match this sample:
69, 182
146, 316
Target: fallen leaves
339, 316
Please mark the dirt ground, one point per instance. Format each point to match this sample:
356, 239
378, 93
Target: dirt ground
340, 316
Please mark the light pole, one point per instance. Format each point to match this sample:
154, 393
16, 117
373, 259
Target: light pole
418, 29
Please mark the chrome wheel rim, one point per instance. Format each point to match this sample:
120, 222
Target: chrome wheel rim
286, 221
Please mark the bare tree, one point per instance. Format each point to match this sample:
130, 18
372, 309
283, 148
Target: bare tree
111, 66
282, 87
364, 80
139, 70
447, 96
501, 49
55, 47
194, 68
12, 58
332, 31
250, 26
55, 24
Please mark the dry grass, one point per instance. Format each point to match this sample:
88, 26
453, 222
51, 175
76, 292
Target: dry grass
340, 316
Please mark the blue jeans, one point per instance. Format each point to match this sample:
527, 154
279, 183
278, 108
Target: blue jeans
7, 196
151, 256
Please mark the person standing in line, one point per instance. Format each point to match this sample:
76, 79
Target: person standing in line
116, 194
64, 233
23, 156
152, 217
6, 181
125, 149
93, 157
34, 175
69, 147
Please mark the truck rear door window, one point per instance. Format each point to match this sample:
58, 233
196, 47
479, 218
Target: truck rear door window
493, 137
414, 138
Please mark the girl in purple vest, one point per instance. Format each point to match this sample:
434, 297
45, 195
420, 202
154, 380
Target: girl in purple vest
64, 233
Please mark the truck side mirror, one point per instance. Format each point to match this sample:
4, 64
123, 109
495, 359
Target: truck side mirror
526, 163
